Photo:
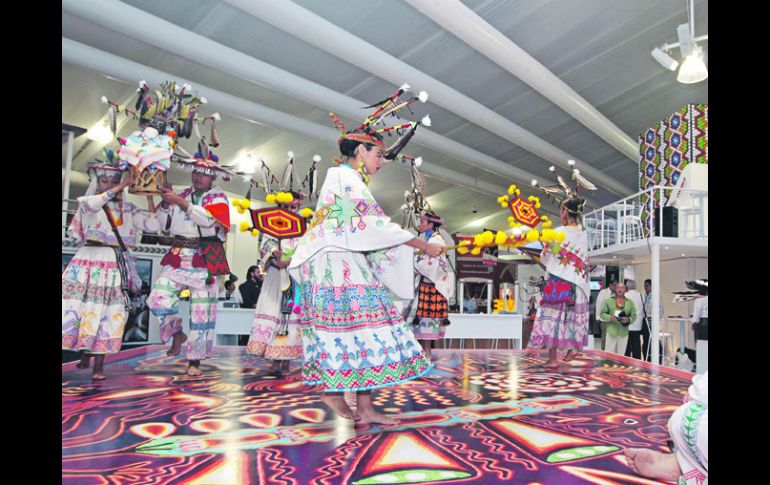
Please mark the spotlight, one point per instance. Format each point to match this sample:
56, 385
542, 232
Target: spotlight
664, 59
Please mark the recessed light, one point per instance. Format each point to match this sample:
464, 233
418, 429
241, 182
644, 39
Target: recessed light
684, 254
665, 247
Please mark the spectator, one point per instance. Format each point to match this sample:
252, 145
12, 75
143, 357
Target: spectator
600, 298
250, 289
647, 313
618, 312
471, 306
634, 348
231, 293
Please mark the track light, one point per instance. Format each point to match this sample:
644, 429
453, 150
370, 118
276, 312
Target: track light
692, 69
664, 59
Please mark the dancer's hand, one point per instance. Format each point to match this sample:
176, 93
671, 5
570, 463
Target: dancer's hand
434, 250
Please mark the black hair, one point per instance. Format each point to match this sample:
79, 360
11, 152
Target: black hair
573, 206
230, 282
250, 270
432, 215
348, 147
648, 282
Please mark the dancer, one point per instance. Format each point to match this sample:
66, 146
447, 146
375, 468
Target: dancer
198, 216
562, 323
689, 430
354, 338
96, 282
275, 332
437, 284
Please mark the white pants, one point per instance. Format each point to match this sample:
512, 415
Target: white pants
616, 345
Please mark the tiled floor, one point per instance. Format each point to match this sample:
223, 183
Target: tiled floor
479, 417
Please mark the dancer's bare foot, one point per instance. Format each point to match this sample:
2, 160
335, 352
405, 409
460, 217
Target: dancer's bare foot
571, 354
176, 344
193, 368
85, 361
653, 464
337, 402
551, 364
373, 417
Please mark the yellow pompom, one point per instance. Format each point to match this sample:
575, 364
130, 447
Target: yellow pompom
240, 210
512, 189
254, 232
184, 294
306, 212
518, 192
244, 226
500, 238
544, 218
560, 236
547, 224
477, 239
245, 203
462, 250
537, 205
280, 197
236, 202
271, 198
489, 237
465, 242
503, 205
532, 235
531, 198
476, 251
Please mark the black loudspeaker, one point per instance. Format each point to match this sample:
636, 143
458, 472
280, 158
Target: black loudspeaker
670, 216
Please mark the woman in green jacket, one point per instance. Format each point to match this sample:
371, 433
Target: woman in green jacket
619, 312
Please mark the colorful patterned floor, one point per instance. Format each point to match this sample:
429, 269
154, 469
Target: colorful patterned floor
480, 417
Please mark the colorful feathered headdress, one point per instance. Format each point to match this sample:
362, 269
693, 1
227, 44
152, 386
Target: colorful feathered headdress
368, 130
564, 194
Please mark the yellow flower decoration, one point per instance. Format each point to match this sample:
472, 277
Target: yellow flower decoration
244, 226
271, 198
245, 203
476, 251
500, 238
254, 232
512, 189
547, 224
240, 210
306, 212
184, 294
560, 236
532, 235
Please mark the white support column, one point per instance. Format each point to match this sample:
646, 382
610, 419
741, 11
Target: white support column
66, 191
461, 296
655, 332
490, 287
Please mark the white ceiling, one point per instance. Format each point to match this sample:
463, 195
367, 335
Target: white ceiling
600, 48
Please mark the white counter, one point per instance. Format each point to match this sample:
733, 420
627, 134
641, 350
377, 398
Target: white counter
481, 325
237, 321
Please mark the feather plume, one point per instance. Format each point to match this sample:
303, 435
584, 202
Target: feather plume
582, 181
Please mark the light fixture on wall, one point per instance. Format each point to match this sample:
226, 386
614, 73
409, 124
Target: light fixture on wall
692, 68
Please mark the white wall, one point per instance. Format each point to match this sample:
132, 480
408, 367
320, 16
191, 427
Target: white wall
673, 275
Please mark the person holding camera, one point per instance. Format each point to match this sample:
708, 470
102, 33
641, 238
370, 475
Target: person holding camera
620, 313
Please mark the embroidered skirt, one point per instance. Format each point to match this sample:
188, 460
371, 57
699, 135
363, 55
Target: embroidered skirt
559, 326
93, 307
266, 339
353, 336
432, 312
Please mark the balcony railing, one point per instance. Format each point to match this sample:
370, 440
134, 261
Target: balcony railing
657, 211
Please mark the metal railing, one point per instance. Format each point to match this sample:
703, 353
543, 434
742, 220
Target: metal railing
657, 211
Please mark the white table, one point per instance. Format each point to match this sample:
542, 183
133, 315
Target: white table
620, 208
682, 329
480, 325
